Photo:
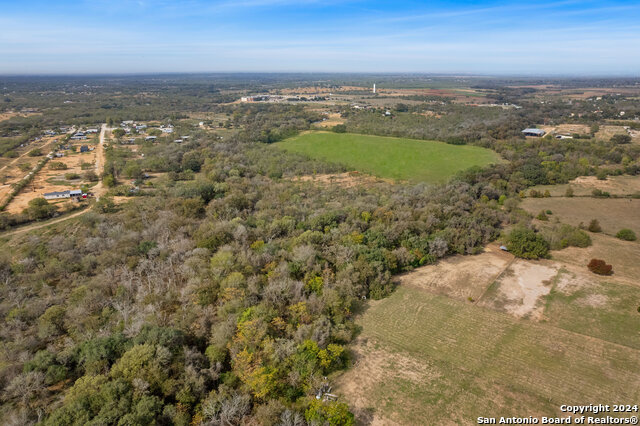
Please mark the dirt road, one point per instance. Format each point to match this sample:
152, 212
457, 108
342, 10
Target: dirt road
43, 224
99, 189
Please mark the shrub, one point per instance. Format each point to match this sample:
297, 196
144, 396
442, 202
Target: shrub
542, 216
594, 226
626, 234
600, 267
91, 176
39, 208
57, 165
621, 139
525, 243
569, 192
71, 176
563, 236
339, 128
34, 153
600, 193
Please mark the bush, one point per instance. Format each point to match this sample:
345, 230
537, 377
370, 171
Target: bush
39, 208
542, 216
600, 193
57, 165
339, 128
525, 243
626, 234
563, 236
621, 139
594, 226
91, 176
600, 267
71, 176
569, 192
35, 153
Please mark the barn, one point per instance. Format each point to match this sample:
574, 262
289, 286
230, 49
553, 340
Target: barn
538, 133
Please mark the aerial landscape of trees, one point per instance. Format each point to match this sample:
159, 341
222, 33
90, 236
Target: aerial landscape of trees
226, 290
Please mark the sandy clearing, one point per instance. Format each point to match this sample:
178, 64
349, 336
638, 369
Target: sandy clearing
612, 213
345, 180
584, 185
460, 277
333, 119
8, 115
521, 288
623, 255
567, 129
374, 365
607, 131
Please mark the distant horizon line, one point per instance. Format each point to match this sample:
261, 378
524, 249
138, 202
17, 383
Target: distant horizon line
353, 73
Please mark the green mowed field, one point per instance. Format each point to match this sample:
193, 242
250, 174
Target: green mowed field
393, 158
426, 356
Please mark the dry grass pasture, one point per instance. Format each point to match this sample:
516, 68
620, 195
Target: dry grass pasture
540, 334
612, 213
12, 170
567, 129
48, 180
10, 114
607, 131
460, 277
426, 356
344, 180
584, 185
333, 119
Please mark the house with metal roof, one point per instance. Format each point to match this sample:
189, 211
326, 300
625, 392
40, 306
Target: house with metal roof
534, 132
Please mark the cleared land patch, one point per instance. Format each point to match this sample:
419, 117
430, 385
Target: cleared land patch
475, 361
345, 180
394, 158
623, 255
612, 213
460, 277
520, 289
584, 185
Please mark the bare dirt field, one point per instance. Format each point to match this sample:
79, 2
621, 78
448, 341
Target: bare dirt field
624, 256
14, 170
607, 131
48, 180
612, 213
333, 119
317, 90
345, 180
8, 115
460, 277
584, 185
567, 129
521, 287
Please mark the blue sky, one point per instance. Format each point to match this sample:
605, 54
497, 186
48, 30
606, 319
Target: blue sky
471, 37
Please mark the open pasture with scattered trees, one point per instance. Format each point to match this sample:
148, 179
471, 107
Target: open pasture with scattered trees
393, 158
